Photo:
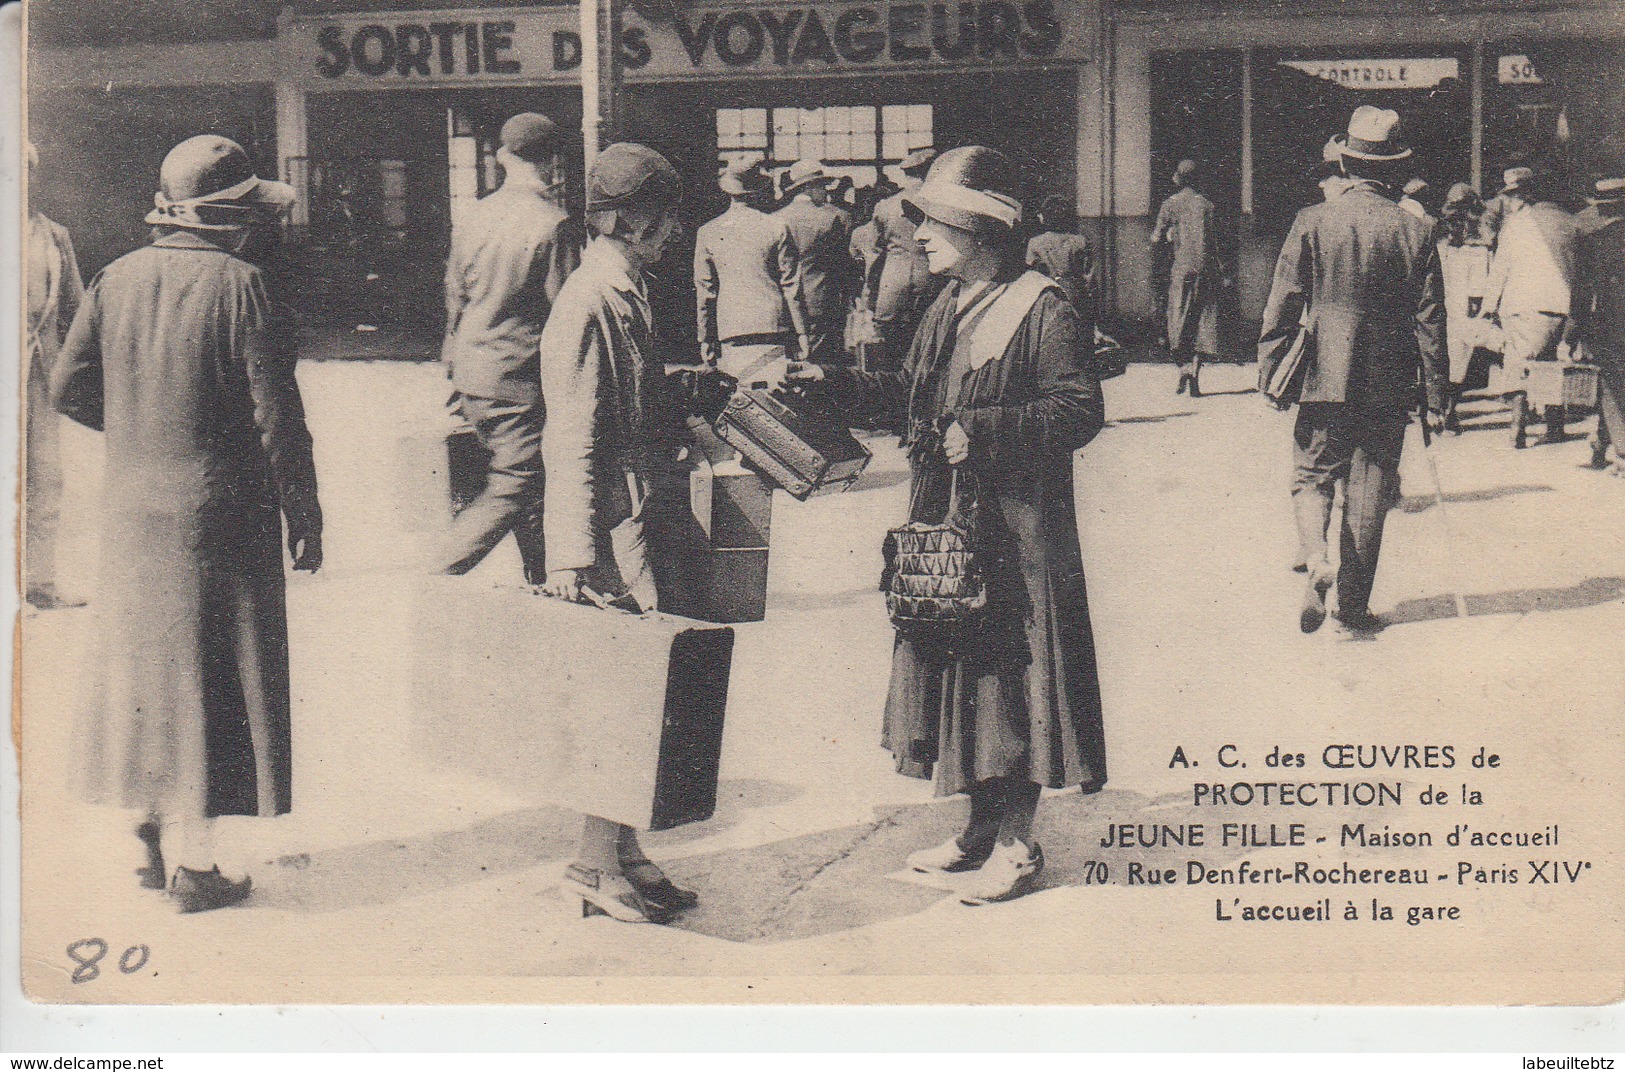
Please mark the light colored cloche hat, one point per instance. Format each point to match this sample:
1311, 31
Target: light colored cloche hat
805, 173
971, 187
206, 183
1373, 134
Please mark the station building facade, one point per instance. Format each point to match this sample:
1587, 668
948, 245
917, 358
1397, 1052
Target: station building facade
384, 112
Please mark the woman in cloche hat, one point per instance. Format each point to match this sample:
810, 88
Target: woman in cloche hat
181, 355
997, 389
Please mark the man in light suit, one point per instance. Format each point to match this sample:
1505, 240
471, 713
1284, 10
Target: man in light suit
748, 280
509, 260
54, 293
906, 287
820, 235
1531, 287
1369, 273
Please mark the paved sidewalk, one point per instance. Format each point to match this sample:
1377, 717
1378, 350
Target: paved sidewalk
391, 865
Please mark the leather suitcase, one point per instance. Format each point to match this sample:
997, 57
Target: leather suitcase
598, 711
734, 507
804, 449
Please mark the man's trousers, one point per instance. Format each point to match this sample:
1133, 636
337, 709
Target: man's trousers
1336, 440
512, 499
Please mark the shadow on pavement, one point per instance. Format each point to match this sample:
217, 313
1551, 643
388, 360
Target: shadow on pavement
839, 880
1155, 419
1588, 593
1415, 504
1220, 394
398, 869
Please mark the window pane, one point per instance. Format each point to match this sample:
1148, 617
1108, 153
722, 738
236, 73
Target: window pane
728, 125
753, 122
863, 119
919, 121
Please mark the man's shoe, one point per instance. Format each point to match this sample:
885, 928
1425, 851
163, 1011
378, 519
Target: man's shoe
152, 876
1010, 872
1358, 624
1552, 438
1184, 380
46, 597
949, 858
1312, 615
204, 891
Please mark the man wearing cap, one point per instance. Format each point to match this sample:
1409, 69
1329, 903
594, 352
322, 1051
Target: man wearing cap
821, 238
1599, 308
509, 258
182, 356
1368, 272
1530, 288
905, 287
618, 527
54, 292
1185, 227
748, 279
1497, 208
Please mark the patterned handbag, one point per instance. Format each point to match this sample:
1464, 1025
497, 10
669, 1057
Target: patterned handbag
933, 577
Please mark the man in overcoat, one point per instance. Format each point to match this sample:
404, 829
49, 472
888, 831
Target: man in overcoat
1369, 274
820, 235
181, 354
54, 291
748, 281
1185, 227
905, 287
509, 258
1599, 308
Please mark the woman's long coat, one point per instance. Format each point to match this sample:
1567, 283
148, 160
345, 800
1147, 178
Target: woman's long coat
180, 356
1185, 225
1024, 699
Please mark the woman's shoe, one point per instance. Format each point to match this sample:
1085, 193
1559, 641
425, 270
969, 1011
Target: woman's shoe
204, 891
949, 858
152, 876
1010, 872
657, 889
1312, 614
614, 896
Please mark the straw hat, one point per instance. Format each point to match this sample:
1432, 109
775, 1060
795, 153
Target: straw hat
1373, 134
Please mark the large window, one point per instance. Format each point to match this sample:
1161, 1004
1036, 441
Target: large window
859, 140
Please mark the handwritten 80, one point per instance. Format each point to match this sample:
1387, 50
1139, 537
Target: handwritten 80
87, 955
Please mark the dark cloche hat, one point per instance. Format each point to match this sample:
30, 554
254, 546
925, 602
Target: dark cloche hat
530, 136
627, 173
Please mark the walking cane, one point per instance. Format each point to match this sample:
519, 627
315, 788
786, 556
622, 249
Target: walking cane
1429, 450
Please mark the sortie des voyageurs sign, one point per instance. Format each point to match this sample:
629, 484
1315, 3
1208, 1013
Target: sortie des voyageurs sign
544, 45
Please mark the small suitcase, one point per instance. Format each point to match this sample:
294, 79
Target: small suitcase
804, 449
599, 711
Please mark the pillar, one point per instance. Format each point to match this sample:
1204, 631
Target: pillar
1478, 114
292, 146
600, 76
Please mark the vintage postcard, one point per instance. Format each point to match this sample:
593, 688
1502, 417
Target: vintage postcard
823, 501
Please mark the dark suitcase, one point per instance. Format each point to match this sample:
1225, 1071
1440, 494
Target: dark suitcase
804, 449
469, 465
602, 712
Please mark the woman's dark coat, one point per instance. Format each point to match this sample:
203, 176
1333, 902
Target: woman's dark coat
1024, 698
180, 356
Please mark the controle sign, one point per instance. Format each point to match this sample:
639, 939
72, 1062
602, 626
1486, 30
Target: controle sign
541, 45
